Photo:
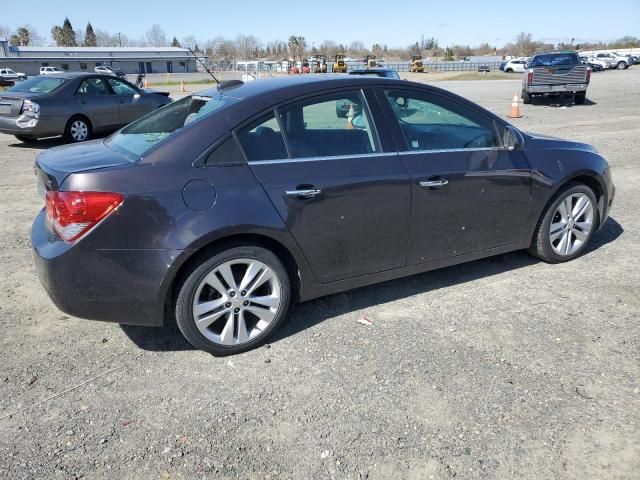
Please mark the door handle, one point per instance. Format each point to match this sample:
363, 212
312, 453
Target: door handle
433, 183
304, 193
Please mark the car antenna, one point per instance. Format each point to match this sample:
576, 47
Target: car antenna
203, 65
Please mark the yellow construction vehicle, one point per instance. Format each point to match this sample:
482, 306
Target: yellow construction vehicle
370, 60
416, 64
339, 65
320, 64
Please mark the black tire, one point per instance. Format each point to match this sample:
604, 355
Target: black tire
509, 70
69, 136
580, 97
526, 97
621, 65
25, 138
188, 287
541, 245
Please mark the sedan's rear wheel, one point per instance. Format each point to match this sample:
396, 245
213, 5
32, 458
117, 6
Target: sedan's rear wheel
566, 226
233, 301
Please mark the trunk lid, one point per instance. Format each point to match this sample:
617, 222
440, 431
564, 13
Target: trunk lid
11, 102
54, 165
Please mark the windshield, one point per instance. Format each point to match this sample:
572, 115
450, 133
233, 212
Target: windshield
140, 136
553, 60
38, 85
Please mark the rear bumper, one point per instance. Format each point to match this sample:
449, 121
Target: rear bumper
43, 126
122, 286
571, 87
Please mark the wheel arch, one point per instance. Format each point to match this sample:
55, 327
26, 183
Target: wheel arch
590, 179
213, 247
81, 115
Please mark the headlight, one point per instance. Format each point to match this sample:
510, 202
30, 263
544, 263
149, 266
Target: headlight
32, 107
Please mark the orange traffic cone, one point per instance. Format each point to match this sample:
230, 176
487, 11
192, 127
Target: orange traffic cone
146, 84
515, 107
182, 89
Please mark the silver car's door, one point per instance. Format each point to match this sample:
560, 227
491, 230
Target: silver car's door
96, 102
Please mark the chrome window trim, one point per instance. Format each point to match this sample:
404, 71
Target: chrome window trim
312, 159
449, 150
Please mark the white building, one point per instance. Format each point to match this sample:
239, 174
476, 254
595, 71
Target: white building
128, 59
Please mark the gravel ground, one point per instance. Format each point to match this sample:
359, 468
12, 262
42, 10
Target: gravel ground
501, 368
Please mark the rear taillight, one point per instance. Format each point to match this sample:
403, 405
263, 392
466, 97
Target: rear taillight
72, 214
588, 75
529, 77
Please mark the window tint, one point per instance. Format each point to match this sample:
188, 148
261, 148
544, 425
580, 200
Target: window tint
332, 125
92, 86
121, 88
262, 140
45, 84
428, 125
227, 153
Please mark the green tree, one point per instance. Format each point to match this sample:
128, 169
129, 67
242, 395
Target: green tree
90, 39
22, 37
297, 45
64, 35
175, 42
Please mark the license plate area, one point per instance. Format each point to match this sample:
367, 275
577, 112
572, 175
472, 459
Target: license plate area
5, 109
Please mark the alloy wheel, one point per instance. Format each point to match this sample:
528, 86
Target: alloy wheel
79, 131
236, 301
571, 224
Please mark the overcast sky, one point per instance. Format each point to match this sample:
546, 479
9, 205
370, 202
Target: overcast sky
395, 23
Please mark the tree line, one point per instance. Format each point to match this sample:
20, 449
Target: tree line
249, 47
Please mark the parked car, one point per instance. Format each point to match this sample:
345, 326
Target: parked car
9, 74
50, 71
515, 66
110, 71
226, 206
553, 74
4, 82
616, 61
75, 105
378, 72
593, 64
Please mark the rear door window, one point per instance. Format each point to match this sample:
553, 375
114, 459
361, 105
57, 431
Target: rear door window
330, 125
262, 140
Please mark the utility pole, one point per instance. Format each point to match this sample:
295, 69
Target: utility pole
119, 39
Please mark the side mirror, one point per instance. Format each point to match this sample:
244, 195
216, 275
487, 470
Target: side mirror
512, 138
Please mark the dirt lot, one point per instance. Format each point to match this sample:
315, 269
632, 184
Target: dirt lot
502, 368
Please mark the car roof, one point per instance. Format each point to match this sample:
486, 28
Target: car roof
297, 84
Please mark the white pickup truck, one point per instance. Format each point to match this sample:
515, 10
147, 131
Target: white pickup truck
9, 74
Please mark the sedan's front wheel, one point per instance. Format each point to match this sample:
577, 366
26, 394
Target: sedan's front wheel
233, 301
567, 225
78, 130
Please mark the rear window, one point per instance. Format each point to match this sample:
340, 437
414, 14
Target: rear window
555, 59
140, 136
38, 85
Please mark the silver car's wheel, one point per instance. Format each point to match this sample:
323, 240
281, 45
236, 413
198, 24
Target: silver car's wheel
236, 301
79, 131
571, 224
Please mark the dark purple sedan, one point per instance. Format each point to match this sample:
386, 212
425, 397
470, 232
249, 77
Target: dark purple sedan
222, 209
